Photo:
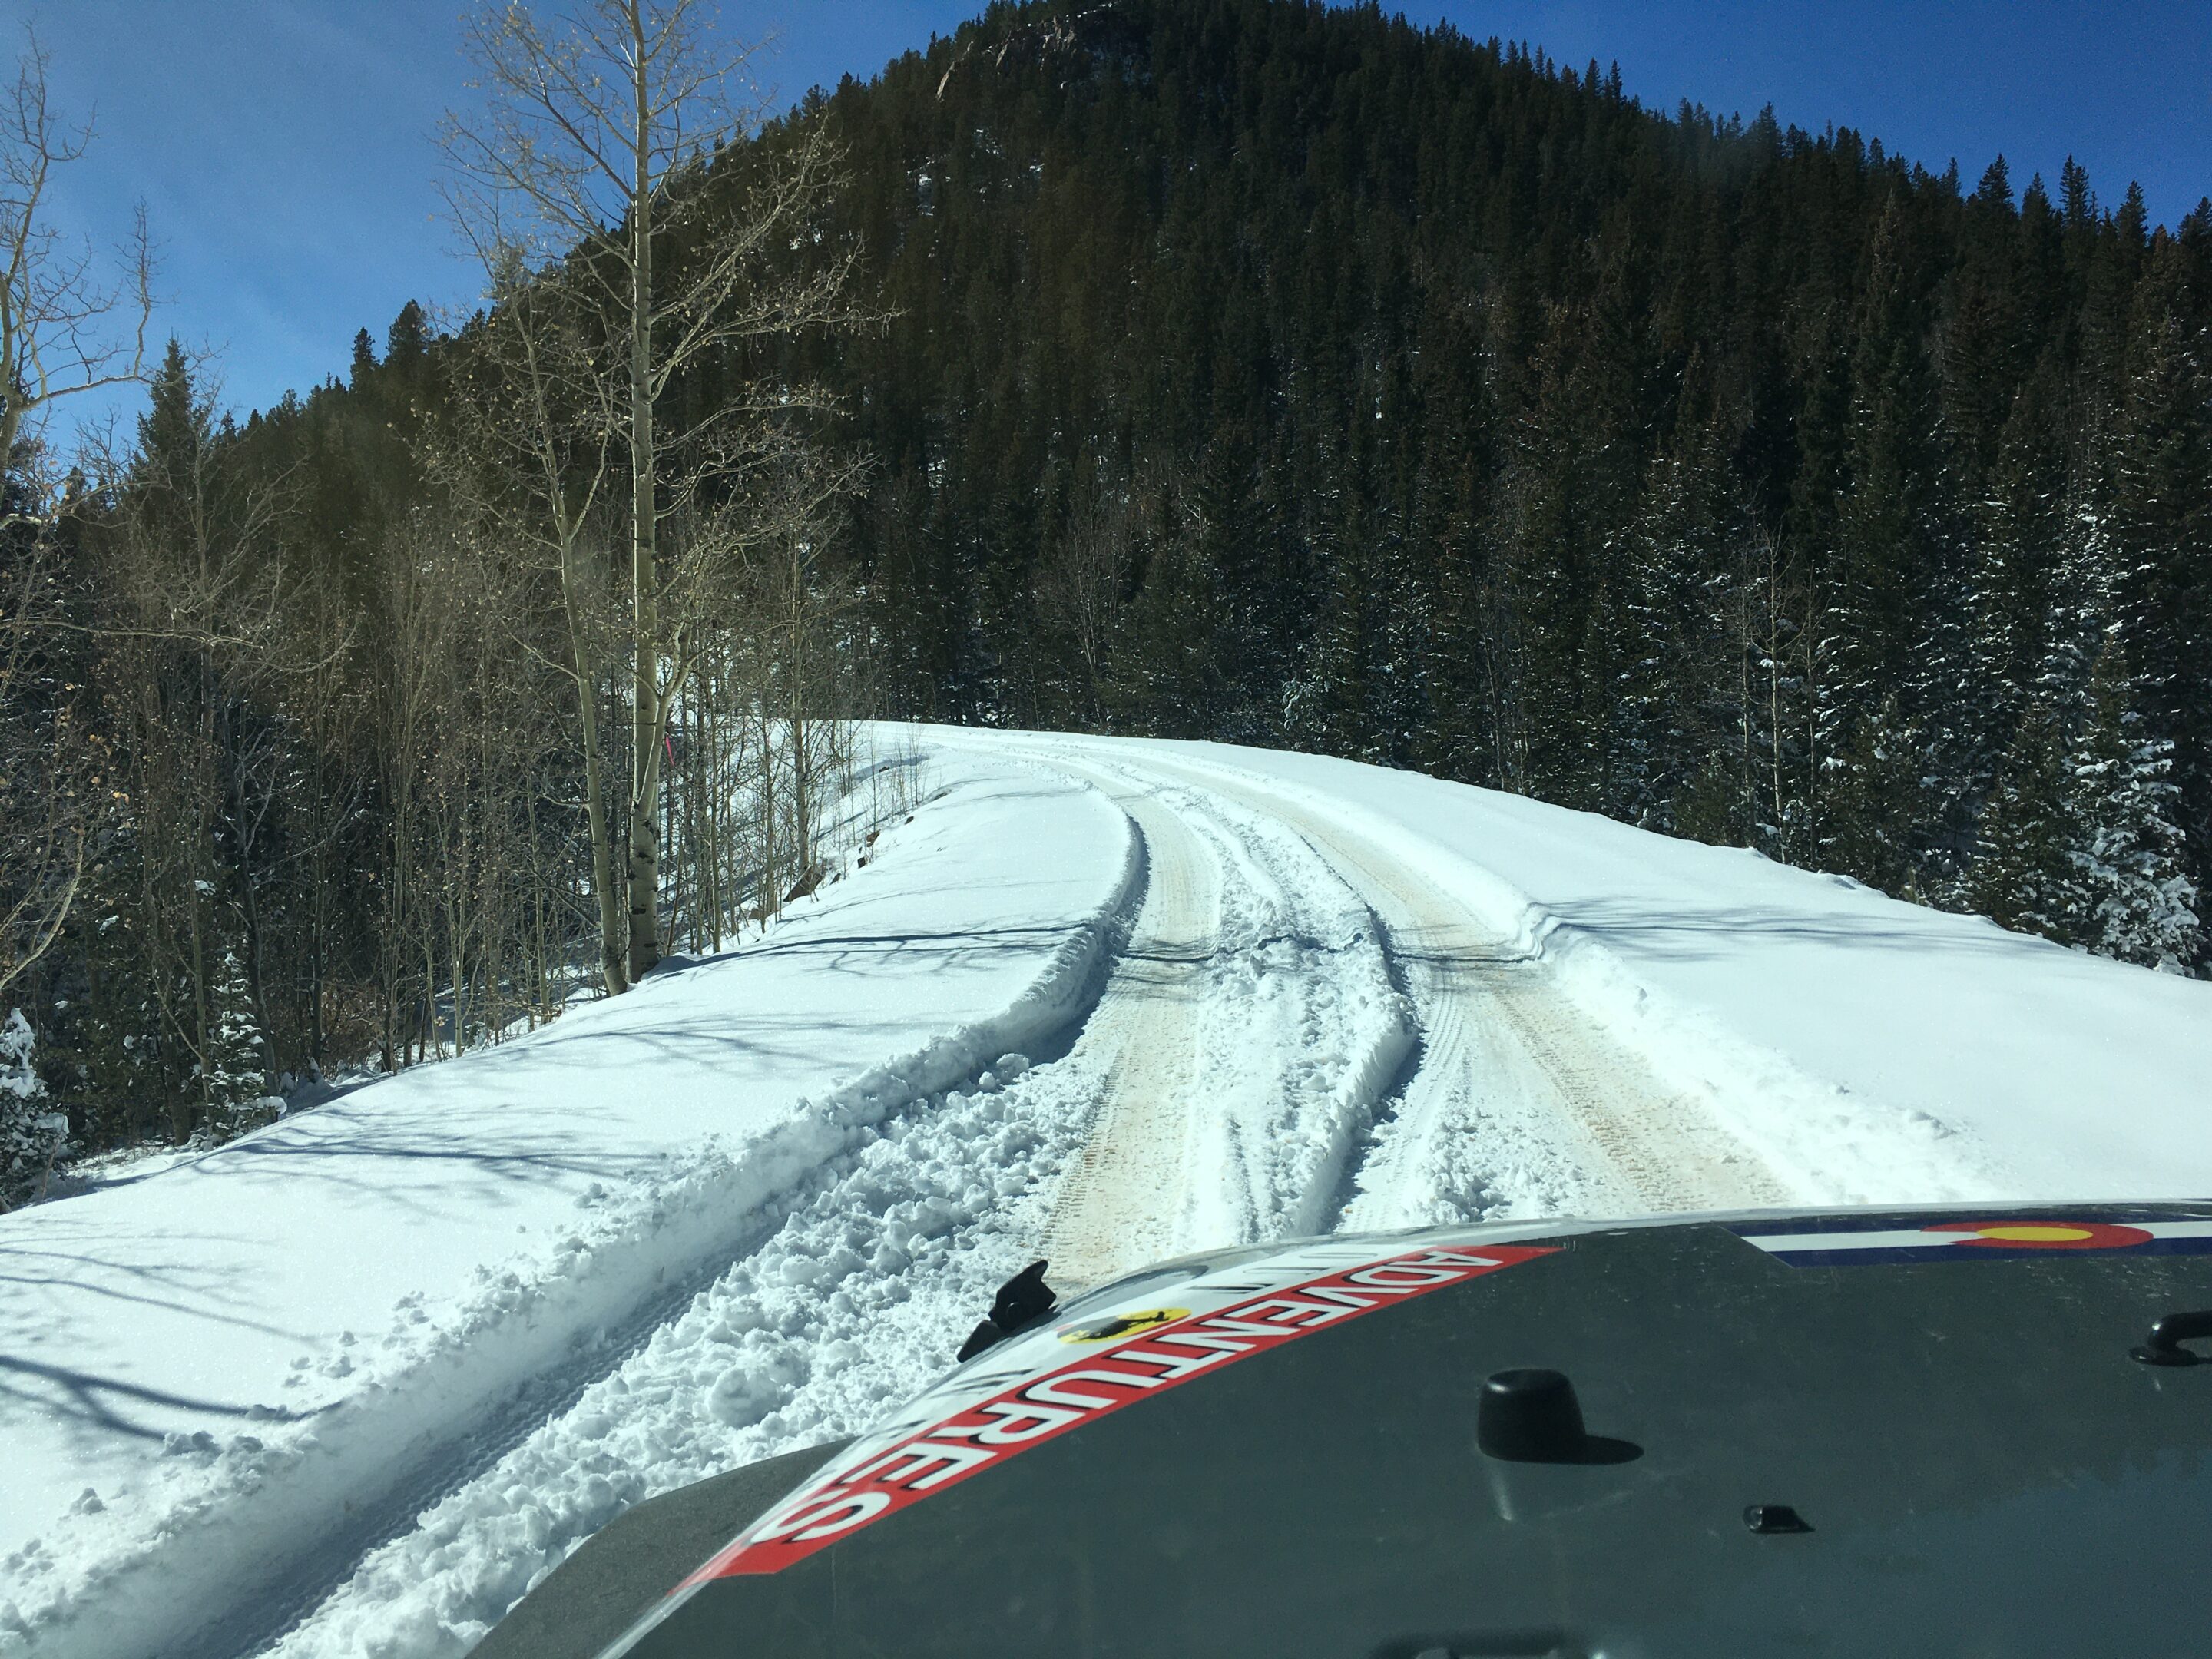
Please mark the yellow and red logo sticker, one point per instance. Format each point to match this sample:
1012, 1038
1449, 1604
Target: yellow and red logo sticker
1114, 1325
1842, 1244
1125, 1359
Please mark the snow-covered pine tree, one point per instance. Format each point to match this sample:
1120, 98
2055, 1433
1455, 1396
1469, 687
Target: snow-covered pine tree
1887, 594
33, 1137
1676, 758
2131, 859
1625, 664
2004, 449
1173, 662
2026, 873
2160, 466
2020, 541
234, 1072
110, 1049
1405, 609
2024, 876
1328, 707
1955, 759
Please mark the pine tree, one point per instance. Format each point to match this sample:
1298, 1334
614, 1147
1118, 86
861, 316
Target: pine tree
1885, 551
1173, 653
118, 1054
2019, 532
2132, 860
407, 341
2161, 530
33, 1137
2025, 875
1677, 699
234, 1072
364, 361
2029, 870
1325, 704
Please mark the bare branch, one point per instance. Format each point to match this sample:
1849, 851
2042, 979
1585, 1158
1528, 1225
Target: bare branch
63, 332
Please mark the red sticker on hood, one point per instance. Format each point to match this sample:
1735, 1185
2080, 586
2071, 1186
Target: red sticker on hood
1110, 1369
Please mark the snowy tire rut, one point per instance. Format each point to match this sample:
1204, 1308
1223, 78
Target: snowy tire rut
1519, 1106
1241, 1042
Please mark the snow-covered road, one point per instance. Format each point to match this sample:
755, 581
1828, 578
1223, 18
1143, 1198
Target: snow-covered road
1480, 1092
1212, 1090
1518, 1104
1255, 996
1296, 1035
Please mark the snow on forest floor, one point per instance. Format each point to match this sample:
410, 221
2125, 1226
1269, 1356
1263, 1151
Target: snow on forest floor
1102, 1001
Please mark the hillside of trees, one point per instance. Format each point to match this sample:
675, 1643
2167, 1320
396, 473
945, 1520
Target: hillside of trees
1232, 368
1293, 376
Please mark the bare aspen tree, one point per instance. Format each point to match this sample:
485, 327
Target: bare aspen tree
535, 463
195, 641
799, 607
597, 125
65, 331
1080, 585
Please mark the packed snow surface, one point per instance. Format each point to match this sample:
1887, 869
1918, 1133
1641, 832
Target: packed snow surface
353, 1384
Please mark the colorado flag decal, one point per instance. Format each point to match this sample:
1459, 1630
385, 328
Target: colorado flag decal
1893, 1240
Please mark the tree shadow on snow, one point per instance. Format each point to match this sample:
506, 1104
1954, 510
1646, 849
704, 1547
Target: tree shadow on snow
96, 1402
1693, 935
876, 954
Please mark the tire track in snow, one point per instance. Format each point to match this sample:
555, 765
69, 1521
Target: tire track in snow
1124, 1193
1383, 1135
1515, 1105
1241, 1044
1520, 1105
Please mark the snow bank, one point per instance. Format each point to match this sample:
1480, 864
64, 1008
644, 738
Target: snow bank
854, 1301
226, 1379
1868, 1049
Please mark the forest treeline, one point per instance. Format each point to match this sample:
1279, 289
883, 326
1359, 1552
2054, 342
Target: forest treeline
1292, 375
1246, 369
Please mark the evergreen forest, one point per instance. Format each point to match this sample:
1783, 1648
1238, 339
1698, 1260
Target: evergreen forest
1245, 369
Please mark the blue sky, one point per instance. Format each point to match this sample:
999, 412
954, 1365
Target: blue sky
282, 147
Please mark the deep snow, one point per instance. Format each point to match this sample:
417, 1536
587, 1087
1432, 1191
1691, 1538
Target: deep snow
203, 1368
352, 1384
